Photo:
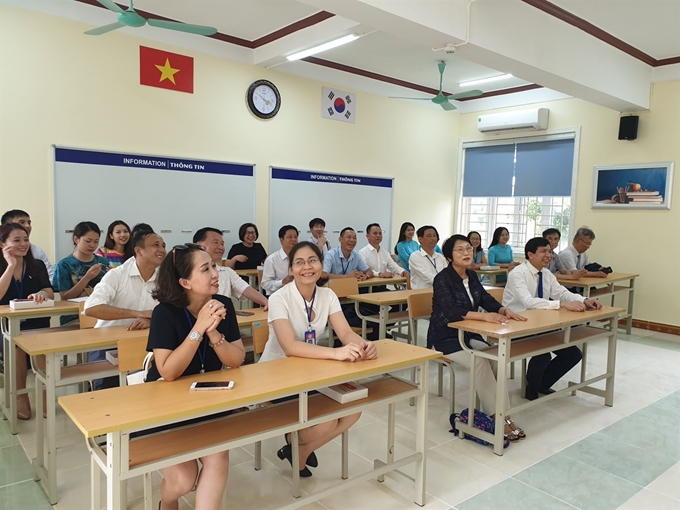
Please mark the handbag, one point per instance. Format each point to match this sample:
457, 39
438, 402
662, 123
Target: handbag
139, 377
482, 422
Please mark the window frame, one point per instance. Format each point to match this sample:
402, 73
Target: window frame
506, 138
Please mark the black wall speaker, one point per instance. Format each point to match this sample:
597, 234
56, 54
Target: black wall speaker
628, 127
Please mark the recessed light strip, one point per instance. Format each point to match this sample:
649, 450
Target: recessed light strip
484, 80
323, 47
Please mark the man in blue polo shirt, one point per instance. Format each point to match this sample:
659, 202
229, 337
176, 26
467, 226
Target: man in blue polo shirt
344, 262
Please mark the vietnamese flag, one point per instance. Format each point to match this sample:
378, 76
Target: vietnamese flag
166, 70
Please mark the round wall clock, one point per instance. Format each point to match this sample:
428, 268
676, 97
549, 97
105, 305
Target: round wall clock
263, 99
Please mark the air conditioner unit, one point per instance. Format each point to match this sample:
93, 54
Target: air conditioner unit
523, 119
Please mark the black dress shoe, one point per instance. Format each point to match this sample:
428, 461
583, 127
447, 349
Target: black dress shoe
547, 391
531, 394
312, 461
287, 454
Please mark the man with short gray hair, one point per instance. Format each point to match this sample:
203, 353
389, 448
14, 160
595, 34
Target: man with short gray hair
574, 257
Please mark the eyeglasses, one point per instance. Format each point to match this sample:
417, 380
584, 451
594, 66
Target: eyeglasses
469, 249
587, 243
251, 233
312, 261
185, 246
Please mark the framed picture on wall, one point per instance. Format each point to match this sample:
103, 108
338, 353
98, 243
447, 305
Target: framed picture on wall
643, 186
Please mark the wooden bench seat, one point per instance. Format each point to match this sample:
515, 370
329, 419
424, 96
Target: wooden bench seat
547, 342
156, 447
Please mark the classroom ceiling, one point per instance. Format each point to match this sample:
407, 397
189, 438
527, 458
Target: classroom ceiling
604, 51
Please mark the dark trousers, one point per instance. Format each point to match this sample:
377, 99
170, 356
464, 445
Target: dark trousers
544, 370
354, 320
107, 382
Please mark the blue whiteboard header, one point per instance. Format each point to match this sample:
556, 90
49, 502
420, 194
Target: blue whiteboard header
299, 175
137, 161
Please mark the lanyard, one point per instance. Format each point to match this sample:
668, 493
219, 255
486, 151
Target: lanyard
20, 289
309, 310
433, 262
342, 263
201, 355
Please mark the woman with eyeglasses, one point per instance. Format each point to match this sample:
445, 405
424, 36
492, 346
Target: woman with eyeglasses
458, 295
247, 254
193, 330
298, 314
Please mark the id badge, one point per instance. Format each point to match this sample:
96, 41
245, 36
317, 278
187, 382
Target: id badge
310, 337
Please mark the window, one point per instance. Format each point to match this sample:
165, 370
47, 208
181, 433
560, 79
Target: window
522, 184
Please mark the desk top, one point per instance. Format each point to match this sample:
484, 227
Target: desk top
259, 314
397, 280
127, 408
502, 270
387, 298
59, 308
246, 272
592, 282
538, 321
74, 340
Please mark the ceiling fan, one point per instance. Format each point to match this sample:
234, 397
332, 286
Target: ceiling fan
130, 18
440, 98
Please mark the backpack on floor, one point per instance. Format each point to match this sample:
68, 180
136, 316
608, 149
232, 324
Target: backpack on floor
482, 422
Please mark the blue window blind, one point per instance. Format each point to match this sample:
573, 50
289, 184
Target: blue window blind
544, 169
489, 171
531, 169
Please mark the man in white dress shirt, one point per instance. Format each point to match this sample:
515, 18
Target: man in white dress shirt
123, 296
23, 219
378, 260
231, 284
276, 272
426, 263
574, 257
532, 286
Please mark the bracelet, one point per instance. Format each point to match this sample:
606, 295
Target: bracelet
222, 340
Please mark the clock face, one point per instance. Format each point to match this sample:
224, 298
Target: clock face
263, 99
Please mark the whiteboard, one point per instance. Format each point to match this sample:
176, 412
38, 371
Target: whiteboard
297, 196
175, 196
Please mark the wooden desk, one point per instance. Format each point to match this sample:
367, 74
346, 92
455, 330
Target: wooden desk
9, 323
244, 321
251, 274
53, 345
492, 274
109, 412
375, 282
383, 300
539, 321
608, 289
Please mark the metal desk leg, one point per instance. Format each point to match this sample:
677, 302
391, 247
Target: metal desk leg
384, 312
11, 375
114, 499
52, 365
4, 409
391, 419
611, 363
39, 461
501, 382
631, 293
345, 455
421, 423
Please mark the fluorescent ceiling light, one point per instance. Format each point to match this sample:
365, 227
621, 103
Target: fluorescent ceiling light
484, 80
324, 47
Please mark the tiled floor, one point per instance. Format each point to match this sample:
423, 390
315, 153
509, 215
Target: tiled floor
578, 454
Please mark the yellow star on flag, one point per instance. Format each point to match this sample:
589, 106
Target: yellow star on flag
167, 72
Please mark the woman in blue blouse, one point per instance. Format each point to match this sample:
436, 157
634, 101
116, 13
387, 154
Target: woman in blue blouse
406, 245
500, 252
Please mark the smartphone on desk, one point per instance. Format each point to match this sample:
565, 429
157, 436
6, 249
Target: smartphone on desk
245, 314
212, 385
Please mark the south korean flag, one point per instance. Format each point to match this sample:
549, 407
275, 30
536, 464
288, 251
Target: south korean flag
338, 105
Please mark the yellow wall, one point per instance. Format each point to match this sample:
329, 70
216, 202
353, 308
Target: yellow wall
58, 86
641, 242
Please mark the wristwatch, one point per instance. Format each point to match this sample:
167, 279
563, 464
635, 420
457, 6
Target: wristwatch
194, 336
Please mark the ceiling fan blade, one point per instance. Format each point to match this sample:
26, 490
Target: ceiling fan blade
464, 95
411, 98
111, 6
105, 29
182, 27
448, 106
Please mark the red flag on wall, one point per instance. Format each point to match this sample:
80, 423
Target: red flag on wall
166, 70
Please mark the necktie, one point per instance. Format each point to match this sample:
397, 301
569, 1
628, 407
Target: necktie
540, 284
578, 261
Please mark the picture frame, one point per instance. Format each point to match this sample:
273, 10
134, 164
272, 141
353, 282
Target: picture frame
640, 186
